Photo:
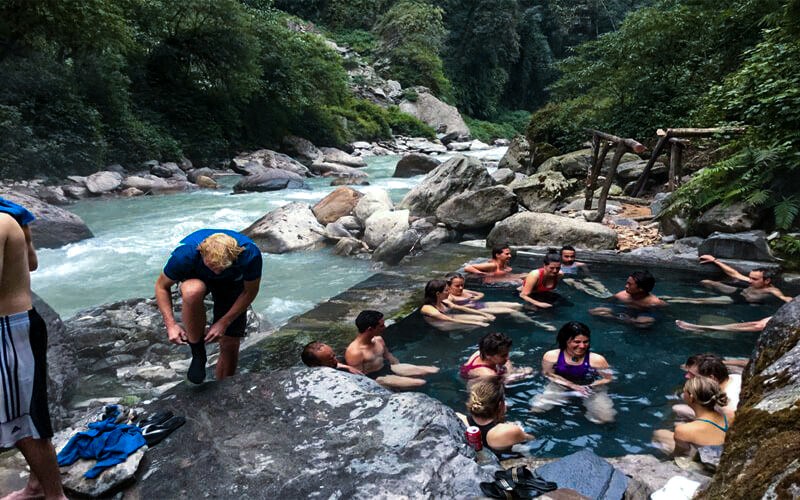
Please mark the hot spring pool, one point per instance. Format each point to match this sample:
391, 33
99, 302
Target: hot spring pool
646, 362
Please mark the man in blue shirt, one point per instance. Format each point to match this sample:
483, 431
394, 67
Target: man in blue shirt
226, 264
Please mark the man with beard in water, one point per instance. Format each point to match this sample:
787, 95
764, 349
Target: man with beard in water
226, 264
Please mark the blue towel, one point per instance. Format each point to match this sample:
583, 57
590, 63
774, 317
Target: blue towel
107, 442
20, 213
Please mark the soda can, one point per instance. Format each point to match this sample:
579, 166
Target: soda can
473, 436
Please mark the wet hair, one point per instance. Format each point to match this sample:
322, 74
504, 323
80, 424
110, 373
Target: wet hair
552, 255
493, 343
497, 250
767, 274
706, 392
449, 277
567, 247
644, 280
431, 289
709, 365
368, 319
309, 354
219, 249
486, 397
572, 330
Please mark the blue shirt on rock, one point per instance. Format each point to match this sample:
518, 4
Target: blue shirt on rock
187, 263
21, 214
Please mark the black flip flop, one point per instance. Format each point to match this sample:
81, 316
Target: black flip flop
155, 433
522, 476
156, 418
506, 490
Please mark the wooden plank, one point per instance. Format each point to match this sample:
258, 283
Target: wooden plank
631, 144
639, 188
675, 159
591, 181
601, 202
698, 132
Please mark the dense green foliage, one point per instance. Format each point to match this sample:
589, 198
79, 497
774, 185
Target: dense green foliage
506, 124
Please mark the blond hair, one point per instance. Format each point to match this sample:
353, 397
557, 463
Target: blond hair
219, 249
706, 392
486, 397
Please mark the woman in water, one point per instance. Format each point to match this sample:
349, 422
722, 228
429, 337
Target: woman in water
468, 301
495, 269
709, 426
491, 359
572, 367
486, 409
537, 289
436, 311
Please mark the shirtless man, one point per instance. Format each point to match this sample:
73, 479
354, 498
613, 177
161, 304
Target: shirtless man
320, 354
638, 296
369, 354
496, 268
576, 275
24, 416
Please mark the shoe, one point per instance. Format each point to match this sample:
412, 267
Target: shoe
155, 433
504, 489
197, 368
522, 476
155, 418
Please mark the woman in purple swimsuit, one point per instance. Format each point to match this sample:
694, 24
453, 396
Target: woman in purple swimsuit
575, 371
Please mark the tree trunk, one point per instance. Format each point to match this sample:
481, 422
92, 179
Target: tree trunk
601, 203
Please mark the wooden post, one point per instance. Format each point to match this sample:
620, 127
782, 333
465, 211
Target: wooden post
675, 159
639, 188
601, 202
597, 164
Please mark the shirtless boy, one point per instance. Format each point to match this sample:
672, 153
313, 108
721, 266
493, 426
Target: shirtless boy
576, 274
638, 296
369, 354
496, 268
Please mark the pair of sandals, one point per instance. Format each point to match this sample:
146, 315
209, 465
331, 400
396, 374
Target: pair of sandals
159, 425
517, 483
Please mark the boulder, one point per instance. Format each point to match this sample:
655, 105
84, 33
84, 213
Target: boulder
309, 432
735, 218
349, 181
373, 201
185, 164
632, 170
444, 118
530, 228
435, 238
397, 246
54, 227
75, 192
459, 146
425, 146
350, 222
415, 164
301, 149
103, 182
342, 201
131, 192
247, 167
116, 167
248, 163
660, 201
518, 157
760, 458
53, 195
478, 209
166, 170
383, 224
349, 246
504, 176
206, 182
286, 229
271, 179
146, 184
333, 155
193, 174
612, 207
477, 145
673, 225
336, 231
543, 191
647, 474
597, 479
750, 245
453, 177
577, 163
336, 170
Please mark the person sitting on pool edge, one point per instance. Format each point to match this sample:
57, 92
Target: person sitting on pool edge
573, 367
369, 354
537, 289
491, 359
709, 427
486, 410
637, 296
713, 367
319, 354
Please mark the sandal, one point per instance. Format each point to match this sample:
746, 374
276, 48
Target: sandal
155, 433
522, 476
506, 490
156, 418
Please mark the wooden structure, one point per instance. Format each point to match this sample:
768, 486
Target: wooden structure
601, 143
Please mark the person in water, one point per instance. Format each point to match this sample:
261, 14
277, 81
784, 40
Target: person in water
486, 410
320, 354
491, 359
538, 287
703, 395
745, 326
637, 297
574, 368
226, 264
369, 354
24, 415
496, 268
713, 367
439, 314
576, 274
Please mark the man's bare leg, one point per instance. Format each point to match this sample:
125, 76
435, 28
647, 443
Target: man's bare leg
409, 370
720, 300
398, 382
748, 326
45, 479
228, 357
720, 287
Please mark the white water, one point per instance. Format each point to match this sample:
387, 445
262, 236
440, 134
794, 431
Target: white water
134, 237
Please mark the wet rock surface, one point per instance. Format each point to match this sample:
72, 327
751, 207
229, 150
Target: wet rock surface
597, 478
286, 229
478, 209
54, 227
529, 228
415, 164
62, 370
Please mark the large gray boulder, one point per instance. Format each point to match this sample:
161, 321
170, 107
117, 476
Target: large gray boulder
577, 163
286, 229
734, 218
373, 201
518, 157
339, 203
196, 173
149, 183
397, 246
328, 169
310, 432
384, 224
453, 177
269, 179
750, 245
530, 228
760, 459
478, 209
248, 163
444, 118
333, 155
543, 191
103, 182
301, 149
54, 227
415, 164
167, 170
632, 170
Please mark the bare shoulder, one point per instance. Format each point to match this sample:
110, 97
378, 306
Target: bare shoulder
597, 360
551, 356
378, 341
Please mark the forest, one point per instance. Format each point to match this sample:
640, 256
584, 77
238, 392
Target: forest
86, 83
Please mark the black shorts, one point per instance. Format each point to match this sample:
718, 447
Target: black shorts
224, 294
386, 369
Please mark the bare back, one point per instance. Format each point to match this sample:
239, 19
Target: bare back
15, 278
